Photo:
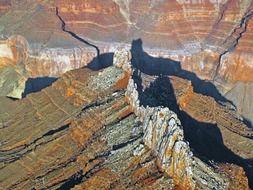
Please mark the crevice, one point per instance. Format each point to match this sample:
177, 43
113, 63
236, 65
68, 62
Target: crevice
243, 27
124, 144
63, 27
72, 181
101, 102
25, 149
80, 177
222, 10
54, 131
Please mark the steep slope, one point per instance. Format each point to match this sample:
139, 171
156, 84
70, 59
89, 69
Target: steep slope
85, 131
210, 38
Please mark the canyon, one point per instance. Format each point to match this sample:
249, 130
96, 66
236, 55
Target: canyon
209, 38
126, 94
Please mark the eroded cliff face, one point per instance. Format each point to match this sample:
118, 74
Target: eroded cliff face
89, 131
13, 55
215, 32
210, 38
163, 132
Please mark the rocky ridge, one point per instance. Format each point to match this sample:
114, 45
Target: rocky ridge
48, 50
163, 132
88, 130
209, 38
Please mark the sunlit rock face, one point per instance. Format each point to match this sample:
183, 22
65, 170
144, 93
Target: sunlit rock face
13, 55
210, 38
194, 32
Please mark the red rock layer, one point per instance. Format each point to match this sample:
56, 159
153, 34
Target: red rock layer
5, 5
99, 20
236, 175
205, 109
193, 32
182, 27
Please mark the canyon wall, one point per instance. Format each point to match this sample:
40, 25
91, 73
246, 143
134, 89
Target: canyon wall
210, 38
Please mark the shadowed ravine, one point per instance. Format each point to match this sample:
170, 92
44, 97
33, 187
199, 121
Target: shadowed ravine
243, 27
200, 135
160, 92
63, 27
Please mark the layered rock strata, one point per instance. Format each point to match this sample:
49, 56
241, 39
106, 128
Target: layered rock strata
210, 38
164, 135
82, 133
163, 132
70, 137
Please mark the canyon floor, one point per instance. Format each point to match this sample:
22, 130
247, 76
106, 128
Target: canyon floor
113, 94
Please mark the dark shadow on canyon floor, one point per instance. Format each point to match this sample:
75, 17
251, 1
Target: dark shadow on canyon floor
248, 123
104, 60
161, 66
167, 67
205, 139
37, 84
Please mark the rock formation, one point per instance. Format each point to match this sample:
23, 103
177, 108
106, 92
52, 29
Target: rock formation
210, 38
151, 94
162, 133
88, 130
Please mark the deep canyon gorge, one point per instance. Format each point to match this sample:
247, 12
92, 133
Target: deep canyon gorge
126, 94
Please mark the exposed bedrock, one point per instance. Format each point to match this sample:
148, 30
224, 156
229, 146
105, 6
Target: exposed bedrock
164, 134
210, 38
185, 29
89, 131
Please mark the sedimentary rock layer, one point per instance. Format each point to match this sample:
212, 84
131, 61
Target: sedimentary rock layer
210, 38
161, 123
82, 132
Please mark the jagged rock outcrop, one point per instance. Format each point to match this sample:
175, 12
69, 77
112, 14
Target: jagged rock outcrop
210, 38
82, 133
94, 129
163, 132
164, 135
